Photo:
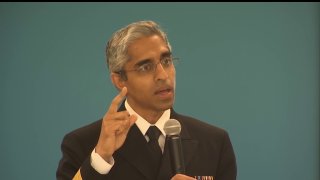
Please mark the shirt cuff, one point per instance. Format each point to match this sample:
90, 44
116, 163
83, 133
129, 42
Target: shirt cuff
99, 164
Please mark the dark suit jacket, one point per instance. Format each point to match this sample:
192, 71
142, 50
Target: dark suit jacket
207, 151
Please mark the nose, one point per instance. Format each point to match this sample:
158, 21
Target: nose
160, 72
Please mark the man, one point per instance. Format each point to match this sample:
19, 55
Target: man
116, 147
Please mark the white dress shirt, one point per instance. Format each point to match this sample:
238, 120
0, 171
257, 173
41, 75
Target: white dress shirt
103, 167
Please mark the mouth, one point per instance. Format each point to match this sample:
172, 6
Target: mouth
164, 92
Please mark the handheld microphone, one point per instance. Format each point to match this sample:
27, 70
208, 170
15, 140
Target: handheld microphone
172, 129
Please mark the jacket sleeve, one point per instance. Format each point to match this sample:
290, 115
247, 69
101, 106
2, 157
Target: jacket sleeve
76, 161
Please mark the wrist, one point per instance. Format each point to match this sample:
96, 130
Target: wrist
104, 155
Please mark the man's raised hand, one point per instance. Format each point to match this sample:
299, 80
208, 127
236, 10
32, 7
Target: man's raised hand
115, 127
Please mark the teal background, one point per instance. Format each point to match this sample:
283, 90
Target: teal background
250, 68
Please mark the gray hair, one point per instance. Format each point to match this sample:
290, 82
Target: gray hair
117, 46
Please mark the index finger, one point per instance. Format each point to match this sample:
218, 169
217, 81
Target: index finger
117, 100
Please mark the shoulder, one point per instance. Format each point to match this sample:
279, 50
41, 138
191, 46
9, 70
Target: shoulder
87, 135
198, 129
198, 124
86, 130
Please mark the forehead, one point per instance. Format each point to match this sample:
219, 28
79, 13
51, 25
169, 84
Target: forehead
148, 47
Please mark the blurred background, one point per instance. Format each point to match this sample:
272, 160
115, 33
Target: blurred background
250, 68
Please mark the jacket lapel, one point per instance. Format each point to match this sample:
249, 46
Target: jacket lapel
135, 151
189, 148
189, 145
165, 171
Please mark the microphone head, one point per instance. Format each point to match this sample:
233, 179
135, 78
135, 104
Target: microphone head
172, 127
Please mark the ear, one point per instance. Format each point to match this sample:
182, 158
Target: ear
117, 81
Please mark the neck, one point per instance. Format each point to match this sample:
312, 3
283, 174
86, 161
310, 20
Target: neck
152, 117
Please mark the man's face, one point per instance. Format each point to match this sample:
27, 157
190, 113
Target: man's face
152, 92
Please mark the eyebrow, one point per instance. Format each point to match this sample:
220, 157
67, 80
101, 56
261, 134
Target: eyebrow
166, 54
145, 61
142, 62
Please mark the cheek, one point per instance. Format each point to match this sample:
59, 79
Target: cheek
173, 76
139, 87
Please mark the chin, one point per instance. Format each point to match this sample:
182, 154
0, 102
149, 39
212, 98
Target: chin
165, 106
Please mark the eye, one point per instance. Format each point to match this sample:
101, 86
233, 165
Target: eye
145, 67
167, 61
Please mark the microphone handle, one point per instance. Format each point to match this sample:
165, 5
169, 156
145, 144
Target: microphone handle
176, 154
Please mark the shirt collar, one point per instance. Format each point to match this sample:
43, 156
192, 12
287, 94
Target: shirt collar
144, 125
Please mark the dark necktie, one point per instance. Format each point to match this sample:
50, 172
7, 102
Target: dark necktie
153, 133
